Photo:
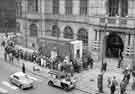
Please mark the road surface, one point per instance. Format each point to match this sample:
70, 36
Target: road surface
41, 86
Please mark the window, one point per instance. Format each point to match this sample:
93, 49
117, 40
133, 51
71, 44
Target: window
117, 7
83, 7
18, 8
68, 7
55, 31
17, 27
129, 38
16, 77
33, 30
55, 6
33, 5
68, 33
124, 8
83, 35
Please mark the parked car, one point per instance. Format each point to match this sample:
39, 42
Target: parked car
61, 80
22, 80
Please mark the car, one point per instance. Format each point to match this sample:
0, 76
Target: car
21, 80
60, 79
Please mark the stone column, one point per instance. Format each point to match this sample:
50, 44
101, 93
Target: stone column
75, 36
127, 60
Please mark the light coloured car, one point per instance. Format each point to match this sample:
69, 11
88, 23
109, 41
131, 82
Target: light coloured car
22, 80
61, 80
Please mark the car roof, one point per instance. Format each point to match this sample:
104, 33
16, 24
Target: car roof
19, 74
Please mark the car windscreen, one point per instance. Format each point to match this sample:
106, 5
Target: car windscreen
24, 77
62, 76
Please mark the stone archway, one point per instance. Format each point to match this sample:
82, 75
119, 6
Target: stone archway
68, 32
114, 46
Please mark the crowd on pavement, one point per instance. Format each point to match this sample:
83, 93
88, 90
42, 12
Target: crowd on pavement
12, 51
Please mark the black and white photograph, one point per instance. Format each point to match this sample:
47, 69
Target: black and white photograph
67, 47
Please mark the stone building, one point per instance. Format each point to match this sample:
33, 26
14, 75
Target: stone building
7, 16
106, 27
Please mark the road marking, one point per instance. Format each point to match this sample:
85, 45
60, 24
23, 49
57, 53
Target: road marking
33, 78
9, 85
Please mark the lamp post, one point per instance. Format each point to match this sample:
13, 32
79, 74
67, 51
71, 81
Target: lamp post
134, 54
25, 18
104, 46
6, 26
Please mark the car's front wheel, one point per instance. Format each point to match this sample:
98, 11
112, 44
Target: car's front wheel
10, 80
66, 87
50, 83
21, 86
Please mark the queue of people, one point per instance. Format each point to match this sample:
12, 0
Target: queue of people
57, 63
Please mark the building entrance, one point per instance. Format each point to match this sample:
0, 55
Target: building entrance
114, 46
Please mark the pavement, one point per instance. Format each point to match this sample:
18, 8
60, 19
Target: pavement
87, 79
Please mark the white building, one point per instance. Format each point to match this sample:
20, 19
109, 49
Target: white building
92, 21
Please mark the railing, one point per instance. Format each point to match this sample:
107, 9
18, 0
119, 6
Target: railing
96, 45
129, 51
96, 20
92, 20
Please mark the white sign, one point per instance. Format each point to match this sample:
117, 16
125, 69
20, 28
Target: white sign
53, 54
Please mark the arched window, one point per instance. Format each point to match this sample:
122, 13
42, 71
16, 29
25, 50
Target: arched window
55, 31
17, 27
68, 32
33, 30
83, 35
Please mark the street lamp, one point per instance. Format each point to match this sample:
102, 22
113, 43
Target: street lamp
134, 54
104, 46
25, 18
6, 26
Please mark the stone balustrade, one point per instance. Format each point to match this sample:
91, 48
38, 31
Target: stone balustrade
96, 20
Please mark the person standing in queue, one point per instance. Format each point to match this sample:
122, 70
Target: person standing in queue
113, 85
100, 83
122, 87
23, 68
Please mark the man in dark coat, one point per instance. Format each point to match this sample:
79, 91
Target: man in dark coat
23, 68
113, 85
122, 87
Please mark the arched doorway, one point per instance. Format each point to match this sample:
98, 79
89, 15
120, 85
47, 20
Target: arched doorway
114, 46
